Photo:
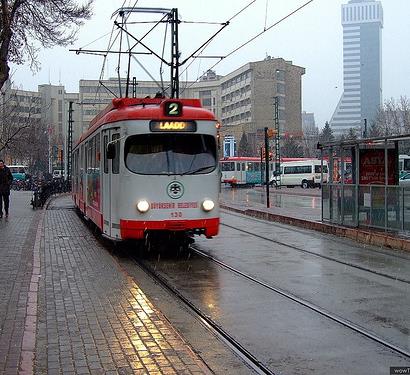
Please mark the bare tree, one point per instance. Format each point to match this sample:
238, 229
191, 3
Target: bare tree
393, 118
27, 24
244, 148
310, 140
291, 147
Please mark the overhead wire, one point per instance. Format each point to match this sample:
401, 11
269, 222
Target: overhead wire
255, 37
138, 42
111, 43
162, 62
202, 49
200, 52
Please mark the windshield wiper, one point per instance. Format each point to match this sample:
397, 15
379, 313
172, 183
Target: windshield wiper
198, 170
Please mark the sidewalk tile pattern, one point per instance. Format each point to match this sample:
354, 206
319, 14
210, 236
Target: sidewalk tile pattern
92, 317
17, 235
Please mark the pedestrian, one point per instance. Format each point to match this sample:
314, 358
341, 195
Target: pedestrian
6, 178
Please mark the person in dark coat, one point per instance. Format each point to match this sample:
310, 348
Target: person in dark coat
6, 178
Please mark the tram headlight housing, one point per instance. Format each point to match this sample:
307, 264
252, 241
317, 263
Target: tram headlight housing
208, 205
143, 206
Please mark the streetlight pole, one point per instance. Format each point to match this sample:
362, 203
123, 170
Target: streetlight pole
267, 167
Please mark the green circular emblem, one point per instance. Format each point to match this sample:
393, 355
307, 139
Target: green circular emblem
175, 190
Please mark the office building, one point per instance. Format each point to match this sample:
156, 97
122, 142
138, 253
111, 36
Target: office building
362, 22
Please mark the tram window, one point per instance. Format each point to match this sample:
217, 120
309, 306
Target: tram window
105, 154
116, 160
86, 157
92, 169
252, 167
228, 166
97, 153
172, 154
82, 161
238, 166
243, 166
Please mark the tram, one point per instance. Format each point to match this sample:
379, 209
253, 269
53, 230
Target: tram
247, 171
148, 167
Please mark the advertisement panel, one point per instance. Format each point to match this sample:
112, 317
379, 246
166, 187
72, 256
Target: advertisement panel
372, 167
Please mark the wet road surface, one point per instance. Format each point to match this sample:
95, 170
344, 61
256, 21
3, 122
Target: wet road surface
297, 202
286, 336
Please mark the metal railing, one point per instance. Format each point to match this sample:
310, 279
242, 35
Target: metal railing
372, 206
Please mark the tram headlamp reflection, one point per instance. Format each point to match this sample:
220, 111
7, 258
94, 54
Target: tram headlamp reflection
143, 206
208, 205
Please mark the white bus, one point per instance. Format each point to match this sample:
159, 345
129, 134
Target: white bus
306, 173
404, 164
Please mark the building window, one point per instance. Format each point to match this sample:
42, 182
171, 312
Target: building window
205, 93
280, 88
280, 75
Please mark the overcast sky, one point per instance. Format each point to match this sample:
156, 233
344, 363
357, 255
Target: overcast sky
312, 38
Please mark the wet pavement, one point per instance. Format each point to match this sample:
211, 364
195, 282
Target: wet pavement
286, 336
67, 307
70, 305
295, 202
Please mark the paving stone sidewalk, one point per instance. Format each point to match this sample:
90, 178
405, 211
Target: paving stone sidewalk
17, 234
90, 316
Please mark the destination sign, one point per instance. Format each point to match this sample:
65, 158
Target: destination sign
172, 126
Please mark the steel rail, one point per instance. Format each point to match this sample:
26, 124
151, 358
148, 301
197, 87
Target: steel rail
233, 344
320, 255
311, 306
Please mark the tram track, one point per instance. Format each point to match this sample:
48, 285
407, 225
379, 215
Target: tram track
349, 264
336, 239
290, 296
210, 324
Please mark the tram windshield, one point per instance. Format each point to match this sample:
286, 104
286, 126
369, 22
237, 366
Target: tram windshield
171, 154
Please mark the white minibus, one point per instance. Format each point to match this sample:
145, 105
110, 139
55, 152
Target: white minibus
306, 173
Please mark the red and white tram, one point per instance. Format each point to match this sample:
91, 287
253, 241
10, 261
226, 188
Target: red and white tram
149, 166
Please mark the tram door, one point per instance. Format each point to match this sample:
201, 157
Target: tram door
106, 185
110, 182
115, 185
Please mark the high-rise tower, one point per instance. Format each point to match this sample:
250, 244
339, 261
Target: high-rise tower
362, 22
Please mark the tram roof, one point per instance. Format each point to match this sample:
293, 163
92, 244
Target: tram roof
121, 109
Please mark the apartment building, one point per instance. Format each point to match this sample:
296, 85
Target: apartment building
248, 95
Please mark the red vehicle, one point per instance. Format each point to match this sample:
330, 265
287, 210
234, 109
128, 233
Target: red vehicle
147, 167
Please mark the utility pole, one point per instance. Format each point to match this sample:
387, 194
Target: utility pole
174, 54
69, 140
277, 140
267, 167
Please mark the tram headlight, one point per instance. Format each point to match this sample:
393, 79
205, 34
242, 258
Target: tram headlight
143, 206
208, 205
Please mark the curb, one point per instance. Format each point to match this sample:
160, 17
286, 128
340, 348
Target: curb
360, 235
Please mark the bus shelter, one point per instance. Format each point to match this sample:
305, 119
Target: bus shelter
362, 189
